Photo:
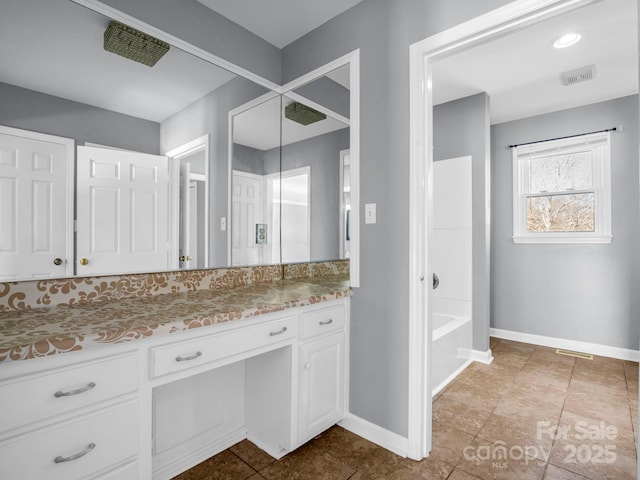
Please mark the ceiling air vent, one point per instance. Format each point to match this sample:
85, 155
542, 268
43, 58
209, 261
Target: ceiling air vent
302, 114
578, 75
133, 44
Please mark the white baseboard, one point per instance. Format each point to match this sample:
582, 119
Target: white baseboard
482, 357
585, 347
376, 434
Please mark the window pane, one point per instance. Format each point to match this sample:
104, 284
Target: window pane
561, 213
560, 173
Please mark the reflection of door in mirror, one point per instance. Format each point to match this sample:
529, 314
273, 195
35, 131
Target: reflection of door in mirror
190, 204
292, 230
36, 231
192, 245
345, 203
122, 211
247, 211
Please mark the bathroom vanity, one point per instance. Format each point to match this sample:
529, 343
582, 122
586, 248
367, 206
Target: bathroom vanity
148, 387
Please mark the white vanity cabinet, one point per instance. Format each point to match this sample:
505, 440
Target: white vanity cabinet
75, 421
322, 370
155, 407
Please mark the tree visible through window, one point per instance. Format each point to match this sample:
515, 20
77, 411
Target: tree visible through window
561, 190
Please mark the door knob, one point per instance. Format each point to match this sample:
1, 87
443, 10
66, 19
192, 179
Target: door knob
84, 261
185, 258
57, 261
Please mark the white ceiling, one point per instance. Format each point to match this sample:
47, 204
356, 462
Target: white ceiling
59, 51
280, 22
521, 71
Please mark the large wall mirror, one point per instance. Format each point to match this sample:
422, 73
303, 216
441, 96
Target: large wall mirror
290, 182
147, 173
126, 167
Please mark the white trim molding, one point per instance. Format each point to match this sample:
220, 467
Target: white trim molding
482, 357
423, 54
376, 434
574, 345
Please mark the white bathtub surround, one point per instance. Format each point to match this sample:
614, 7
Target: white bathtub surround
452, 262
576, 346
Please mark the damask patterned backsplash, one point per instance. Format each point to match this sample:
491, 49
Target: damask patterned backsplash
28, 295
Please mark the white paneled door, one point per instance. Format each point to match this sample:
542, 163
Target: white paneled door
122, 211
36, 212
246, 211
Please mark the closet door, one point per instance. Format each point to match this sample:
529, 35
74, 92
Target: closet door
122, 209
36, 198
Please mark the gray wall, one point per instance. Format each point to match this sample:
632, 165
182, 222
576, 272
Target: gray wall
39, 112
383, 31
579, 292
191, 21
461, 128
248, 159
210, 114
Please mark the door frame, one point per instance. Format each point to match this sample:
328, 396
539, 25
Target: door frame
70, 156
512, 16
200, 144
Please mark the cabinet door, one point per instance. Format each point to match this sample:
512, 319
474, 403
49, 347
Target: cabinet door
321, 385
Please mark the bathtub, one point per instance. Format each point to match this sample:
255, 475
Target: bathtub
451, 348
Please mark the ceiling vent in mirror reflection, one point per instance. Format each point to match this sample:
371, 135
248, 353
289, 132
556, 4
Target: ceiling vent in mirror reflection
133, 44
302, 114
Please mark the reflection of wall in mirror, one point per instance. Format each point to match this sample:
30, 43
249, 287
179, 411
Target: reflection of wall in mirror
209, 115
35, 111
322, 154
39, 112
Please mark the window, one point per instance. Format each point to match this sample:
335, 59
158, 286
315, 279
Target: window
562, 191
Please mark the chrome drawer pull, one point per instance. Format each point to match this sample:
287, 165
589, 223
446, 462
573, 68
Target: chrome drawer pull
189, 357
279, 332
71, 458
60, 393
326, 322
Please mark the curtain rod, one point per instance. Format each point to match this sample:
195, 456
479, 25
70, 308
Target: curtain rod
612, 129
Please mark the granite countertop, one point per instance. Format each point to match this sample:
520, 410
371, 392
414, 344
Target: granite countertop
68, 328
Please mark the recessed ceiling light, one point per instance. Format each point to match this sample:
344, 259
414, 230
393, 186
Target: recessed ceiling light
567, 40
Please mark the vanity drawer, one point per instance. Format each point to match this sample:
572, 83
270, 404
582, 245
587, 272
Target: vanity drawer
322, 321
191, 353
37, 397
74, 449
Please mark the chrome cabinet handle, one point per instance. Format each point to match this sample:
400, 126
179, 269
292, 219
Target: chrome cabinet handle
189, 357
278, 332
326, 322
436, 281
78, 455
60, 393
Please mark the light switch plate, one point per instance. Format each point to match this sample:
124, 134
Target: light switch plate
369, 213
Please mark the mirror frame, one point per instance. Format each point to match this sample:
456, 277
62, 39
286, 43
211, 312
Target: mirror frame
352, 59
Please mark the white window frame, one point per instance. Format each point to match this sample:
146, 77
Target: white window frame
600, 145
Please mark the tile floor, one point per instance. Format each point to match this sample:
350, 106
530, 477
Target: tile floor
531, 414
